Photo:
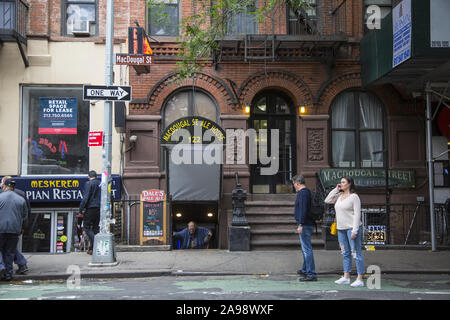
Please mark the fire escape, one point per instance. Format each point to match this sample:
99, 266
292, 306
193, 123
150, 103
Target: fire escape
13, 24
317, 32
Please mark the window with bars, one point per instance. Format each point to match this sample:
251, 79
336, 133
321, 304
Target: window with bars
303, 20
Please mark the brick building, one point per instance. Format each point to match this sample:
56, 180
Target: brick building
294, 59
299, 71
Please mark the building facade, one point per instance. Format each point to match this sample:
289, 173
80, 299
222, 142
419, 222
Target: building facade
299, 72
48, 51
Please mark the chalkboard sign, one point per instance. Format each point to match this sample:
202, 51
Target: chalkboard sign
153, 217
152, 220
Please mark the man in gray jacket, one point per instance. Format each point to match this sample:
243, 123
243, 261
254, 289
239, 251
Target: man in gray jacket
13, 213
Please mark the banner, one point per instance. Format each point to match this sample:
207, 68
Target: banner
57, 116
402, 22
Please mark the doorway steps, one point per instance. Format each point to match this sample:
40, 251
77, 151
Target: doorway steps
272, 223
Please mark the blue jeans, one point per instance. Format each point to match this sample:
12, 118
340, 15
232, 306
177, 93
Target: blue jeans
351, 248
19, 259
308, 267
8, 245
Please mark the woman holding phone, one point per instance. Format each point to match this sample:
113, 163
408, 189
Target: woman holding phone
348, 219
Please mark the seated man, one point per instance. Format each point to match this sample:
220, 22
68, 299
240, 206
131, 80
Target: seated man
193, 237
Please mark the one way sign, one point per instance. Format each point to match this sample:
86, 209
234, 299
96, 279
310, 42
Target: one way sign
109, 93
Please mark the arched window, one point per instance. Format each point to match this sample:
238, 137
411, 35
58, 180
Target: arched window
188, 102
357, 130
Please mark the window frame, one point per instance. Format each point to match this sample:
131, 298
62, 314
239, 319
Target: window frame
255, 24
25, 102
179, 14
357, 130
317, 17
65, 4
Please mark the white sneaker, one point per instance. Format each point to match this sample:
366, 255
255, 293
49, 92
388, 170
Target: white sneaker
357, 283
342, 280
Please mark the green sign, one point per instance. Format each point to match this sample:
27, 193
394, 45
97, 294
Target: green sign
370, 178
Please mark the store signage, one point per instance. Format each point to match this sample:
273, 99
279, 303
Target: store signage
57, 116
60, 189
108, 93
133, 59
95, 139
369, 178
402, 28
376, 234
198, 130
153, 195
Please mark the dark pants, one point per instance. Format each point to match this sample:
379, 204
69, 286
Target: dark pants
91, 223
8, 245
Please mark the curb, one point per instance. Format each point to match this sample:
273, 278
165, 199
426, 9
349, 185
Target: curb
177, 273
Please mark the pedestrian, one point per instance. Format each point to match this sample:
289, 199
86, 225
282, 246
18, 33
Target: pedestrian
19, 259
305, 227
91, 202
348, 219
194, 237
13, 213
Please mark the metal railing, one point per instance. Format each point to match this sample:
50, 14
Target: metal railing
13, 18
330, 18
407, 224
339, 17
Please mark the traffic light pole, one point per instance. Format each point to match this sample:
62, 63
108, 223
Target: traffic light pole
104, 253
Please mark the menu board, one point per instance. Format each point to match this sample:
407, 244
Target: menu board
153, 217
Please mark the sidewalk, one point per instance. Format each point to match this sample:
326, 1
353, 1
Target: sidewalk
224, 262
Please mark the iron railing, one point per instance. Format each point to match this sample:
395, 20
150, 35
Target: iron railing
407, 224
13, 20
329, 19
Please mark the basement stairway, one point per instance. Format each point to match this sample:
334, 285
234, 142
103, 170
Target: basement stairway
272, 223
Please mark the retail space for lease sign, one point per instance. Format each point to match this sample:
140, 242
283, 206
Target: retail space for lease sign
57, 115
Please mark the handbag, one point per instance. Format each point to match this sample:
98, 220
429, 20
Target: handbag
333, 228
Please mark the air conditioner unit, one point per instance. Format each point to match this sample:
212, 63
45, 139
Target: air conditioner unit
80, 27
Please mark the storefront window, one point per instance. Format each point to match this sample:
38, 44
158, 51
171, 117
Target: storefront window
55, 127
357, 130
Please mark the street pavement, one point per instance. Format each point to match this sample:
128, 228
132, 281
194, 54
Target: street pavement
223, 262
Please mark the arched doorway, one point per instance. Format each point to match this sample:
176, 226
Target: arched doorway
274, 110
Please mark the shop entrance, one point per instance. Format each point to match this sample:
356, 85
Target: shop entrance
203, 214
50, 230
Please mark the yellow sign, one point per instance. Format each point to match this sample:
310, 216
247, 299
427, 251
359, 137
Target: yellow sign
55, 184
63, 238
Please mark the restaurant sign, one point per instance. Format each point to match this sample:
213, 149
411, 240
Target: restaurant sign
60, 189
370, 178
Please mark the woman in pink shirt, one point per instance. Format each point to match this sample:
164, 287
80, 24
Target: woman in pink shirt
348, 218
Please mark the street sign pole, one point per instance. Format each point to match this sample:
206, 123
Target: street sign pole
103, 253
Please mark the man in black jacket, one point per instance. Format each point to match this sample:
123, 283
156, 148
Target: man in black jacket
91, 202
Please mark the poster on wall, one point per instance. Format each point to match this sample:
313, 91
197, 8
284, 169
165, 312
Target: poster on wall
57, 115
401, 22
439, 23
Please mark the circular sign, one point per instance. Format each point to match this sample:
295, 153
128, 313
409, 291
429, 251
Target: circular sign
63, 238
444, 122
